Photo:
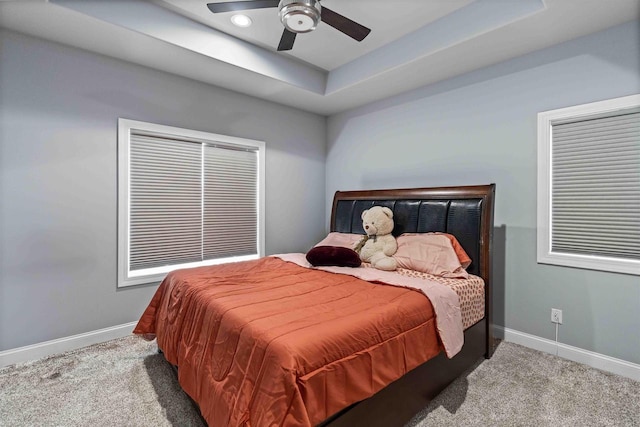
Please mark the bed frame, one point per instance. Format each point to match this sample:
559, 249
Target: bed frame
467, 213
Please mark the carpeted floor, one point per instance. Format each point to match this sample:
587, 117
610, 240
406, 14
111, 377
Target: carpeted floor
123, 382
126, 383
524, 387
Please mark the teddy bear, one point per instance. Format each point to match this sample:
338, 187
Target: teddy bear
379, 244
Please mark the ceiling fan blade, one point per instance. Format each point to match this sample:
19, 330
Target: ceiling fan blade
346, 25
286, 41
232, 6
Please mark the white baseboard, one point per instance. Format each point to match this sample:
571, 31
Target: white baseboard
576, 354
47, 348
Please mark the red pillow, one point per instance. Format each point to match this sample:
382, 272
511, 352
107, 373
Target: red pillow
324, 256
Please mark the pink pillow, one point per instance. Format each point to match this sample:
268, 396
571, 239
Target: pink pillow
429, 253
344, 240
464, 259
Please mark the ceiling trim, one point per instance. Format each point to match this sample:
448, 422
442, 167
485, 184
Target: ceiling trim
149, 19
479, 34
472, 20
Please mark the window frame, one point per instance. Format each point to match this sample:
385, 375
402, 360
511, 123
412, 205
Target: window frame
546, 120
125, 126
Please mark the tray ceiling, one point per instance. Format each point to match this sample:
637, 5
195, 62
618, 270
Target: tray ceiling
412, 43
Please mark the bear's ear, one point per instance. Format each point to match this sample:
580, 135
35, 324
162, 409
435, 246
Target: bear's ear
364, 212
388, 212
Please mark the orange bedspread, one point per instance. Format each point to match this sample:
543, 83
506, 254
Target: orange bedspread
267, 342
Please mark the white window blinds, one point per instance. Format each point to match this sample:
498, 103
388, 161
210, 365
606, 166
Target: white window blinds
596, 186
230, 202
589, 186
166, 202
186, 198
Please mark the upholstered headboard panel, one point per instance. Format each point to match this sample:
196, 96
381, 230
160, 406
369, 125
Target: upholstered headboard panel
458, 217
465, 212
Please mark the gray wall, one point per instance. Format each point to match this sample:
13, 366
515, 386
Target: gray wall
481, 128
58, 121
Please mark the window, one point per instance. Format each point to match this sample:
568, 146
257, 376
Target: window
589, 186
186, 198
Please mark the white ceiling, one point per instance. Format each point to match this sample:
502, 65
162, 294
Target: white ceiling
412, 43
325, 47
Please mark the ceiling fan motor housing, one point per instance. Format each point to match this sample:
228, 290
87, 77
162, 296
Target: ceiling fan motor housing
300, 16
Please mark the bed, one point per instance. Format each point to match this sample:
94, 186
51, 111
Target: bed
272, 342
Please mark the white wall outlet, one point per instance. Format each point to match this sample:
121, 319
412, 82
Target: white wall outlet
556, 315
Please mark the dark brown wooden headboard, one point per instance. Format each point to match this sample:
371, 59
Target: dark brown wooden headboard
466, 212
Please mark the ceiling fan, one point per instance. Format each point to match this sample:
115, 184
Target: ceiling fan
297, 16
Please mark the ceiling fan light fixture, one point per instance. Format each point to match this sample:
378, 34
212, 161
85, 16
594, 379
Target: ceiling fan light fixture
240, 20
300, 16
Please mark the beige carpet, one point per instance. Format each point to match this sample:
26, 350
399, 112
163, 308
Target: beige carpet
524, 387
123, 382
126, 383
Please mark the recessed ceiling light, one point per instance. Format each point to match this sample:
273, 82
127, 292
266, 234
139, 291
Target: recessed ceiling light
241, 20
